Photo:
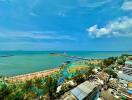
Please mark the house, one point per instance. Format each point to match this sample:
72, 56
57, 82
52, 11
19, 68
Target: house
103, 76
113, 83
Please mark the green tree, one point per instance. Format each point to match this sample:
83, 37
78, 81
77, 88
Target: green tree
111, 72
109, 61
5, 91
28, 85
50, 85
38, 82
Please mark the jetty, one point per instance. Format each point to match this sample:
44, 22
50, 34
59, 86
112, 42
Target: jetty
68, 56
75, 57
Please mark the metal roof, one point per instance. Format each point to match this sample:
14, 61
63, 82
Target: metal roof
82, 90
129, 91
128, 62
125, 77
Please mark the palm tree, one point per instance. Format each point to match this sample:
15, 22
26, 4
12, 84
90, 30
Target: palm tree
28, 85
38, 82
50, 85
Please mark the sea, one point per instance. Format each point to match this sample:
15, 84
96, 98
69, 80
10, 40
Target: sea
22, 62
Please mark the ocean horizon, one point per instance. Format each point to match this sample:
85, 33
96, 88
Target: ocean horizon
22, 62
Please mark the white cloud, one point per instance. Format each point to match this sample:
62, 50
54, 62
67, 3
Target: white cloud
36, 35
127, 5
33, 14
120, 27
92, 3
50, 36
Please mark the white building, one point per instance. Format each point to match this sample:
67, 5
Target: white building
127, 69
125, 75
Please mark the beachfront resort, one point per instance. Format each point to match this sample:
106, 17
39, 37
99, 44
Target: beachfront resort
94, 79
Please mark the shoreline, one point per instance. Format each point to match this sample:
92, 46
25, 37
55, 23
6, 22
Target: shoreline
38, 74
30, 76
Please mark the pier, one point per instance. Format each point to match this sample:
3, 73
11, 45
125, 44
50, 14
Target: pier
75, 57
68, 56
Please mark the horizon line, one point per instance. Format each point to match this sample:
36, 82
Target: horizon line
70, 50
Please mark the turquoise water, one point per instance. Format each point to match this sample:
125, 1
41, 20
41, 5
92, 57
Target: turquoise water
21, 62
65, 73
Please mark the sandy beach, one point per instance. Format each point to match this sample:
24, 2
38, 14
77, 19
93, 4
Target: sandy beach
30, 76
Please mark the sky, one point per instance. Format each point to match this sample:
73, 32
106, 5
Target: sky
92, 25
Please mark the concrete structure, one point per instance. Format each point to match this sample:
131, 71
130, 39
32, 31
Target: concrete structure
126, 73
127, 69
124, 77
85, 91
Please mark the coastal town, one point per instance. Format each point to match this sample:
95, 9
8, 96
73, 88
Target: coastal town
65, 49
94, 79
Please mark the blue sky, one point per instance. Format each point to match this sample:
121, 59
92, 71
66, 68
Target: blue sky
92, 25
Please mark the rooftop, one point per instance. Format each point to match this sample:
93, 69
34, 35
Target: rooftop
124, 76
129, 91
128, 62
130, 84
82, 90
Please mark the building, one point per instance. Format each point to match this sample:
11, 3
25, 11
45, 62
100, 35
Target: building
127, 69
86, 90
103, 76
126, 73
129, 87
124, 77
113, 83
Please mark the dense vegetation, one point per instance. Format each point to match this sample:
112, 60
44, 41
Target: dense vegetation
27, 90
